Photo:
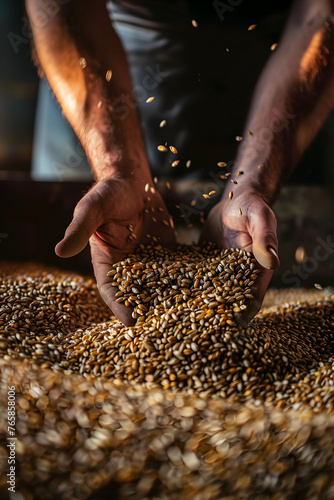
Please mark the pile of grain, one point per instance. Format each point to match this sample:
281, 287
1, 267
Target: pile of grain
182, 405
38, 308
205, 281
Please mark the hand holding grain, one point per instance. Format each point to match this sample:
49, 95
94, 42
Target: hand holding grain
115, 216
245, 221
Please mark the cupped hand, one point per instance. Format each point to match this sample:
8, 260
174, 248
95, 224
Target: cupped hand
246, 222
115, 216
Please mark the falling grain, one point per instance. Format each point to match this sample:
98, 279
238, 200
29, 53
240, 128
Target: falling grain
182, 405
82, 63
300, 255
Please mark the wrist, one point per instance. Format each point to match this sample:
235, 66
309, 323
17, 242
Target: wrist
118, 162
125, 168
111, 177
262, 179
245, 189
116, 149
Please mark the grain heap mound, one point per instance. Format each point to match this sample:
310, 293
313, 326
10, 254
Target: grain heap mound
167, 409
211, 283
38, 308
186, 302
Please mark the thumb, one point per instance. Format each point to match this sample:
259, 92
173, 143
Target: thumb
262, 229
102, 260
86, 219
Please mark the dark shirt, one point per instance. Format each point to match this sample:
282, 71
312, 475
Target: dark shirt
202, 77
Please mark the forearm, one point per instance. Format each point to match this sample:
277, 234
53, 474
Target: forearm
81, 32
293, 98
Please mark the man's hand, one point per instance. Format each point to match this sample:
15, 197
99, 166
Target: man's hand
79, 32
103, 217
246, 222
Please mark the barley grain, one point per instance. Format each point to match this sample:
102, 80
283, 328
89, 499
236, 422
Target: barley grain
182, 405
108, 75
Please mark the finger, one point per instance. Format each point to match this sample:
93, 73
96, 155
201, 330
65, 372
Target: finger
102, 261
84, 223
262, 228
258, 291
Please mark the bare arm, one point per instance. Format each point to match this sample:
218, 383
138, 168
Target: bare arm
82, 31
77, 47
293, 98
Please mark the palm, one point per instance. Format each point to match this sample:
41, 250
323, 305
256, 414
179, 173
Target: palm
226, 228
245, 222
115, 215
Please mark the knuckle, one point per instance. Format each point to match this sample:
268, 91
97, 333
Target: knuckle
271, 236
